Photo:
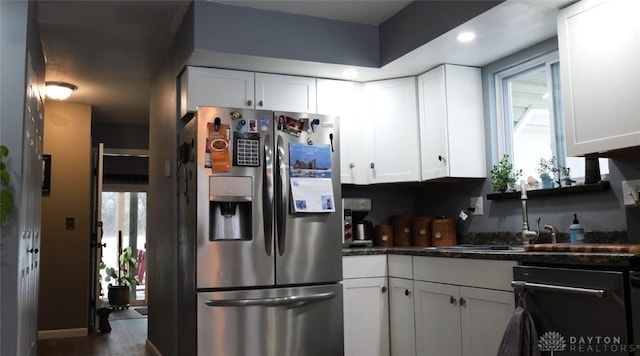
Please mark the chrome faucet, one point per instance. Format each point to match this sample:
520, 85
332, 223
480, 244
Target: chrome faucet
554, 232
527, 235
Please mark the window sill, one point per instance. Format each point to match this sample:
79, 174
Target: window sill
595, 187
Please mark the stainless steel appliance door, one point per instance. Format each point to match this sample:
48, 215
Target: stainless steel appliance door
235, 262
308, 245
586, 308
271, 322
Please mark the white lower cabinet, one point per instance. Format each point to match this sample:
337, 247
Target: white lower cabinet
401, 317
366, 306
429, 306
462, 306
484, 315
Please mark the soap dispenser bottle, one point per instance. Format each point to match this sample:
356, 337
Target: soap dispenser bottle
576, 232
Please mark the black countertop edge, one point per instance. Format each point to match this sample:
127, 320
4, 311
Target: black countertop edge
573, 258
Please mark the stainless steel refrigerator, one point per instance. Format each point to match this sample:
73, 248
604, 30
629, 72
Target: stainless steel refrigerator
260, 249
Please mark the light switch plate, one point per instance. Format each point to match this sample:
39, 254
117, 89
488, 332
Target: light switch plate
629, 191
476, 202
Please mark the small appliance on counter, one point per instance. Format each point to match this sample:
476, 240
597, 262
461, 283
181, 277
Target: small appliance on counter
357, 230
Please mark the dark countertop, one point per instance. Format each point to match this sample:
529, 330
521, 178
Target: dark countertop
522, 257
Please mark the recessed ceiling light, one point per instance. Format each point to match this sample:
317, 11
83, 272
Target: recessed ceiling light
466, 36
59, 90
350, 73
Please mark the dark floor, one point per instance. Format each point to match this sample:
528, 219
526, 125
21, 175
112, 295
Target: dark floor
127, 337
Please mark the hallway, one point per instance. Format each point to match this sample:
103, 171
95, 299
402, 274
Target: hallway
127, 337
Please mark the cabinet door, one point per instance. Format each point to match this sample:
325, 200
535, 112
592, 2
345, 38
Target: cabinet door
599, 44
437, 318
366, 317
433, 124
343, 99
401, 317
285, 93
451, 123
215, 87
485, 314
391, 121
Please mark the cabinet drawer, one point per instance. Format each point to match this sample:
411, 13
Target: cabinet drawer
465, 272
364, 266
400, 266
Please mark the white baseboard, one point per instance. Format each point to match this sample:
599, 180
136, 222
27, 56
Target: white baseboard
62, 333
152, 349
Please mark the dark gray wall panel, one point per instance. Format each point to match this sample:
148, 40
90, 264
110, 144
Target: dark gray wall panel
233, 29
422, 21
120, 135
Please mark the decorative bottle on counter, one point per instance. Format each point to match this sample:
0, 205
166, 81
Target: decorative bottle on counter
576, 232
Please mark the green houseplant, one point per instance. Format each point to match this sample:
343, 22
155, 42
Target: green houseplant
503, 176
124, 277
6, 196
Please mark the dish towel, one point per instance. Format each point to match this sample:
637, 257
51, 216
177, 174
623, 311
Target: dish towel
520, 338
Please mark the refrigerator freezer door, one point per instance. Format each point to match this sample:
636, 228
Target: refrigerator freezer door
308, 245
229, 259
271, 322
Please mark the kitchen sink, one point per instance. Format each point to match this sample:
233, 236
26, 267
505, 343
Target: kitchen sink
483, 248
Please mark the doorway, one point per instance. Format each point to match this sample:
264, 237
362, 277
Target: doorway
124, 216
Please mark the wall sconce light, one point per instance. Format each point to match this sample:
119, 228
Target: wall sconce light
59, 90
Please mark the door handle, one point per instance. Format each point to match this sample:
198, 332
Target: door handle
463, 302
267, 194
599, 293
281, 195
271, 302
452, 300
406, 292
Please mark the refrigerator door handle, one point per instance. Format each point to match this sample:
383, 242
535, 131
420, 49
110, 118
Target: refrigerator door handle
272, 302
267, 194
281, 195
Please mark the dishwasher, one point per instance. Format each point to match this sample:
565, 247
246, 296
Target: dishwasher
579, 311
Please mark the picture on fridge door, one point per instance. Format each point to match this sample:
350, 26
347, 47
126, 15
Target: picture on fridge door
310, 175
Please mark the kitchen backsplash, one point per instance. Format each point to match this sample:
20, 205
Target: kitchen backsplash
601, 214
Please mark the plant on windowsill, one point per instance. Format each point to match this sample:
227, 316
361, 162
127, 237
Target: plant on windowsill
547, 170
124, 277
6, 196
503, 177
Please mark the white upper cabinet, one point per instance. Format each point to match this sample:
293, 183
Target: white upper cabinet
390, 141
451, 123
599, 44
285, 93
215, 87
343, 99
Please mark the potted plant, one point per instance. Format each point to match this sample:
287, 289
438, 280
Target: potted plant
6, 197
503, 176
124, 277
547, 169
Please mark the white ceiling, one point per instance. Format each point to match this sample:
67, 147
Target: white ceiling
112, 49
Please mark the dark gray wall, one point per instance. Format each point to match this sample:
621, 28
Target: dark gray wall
162, 244
18, 34
422, 21
386, 200
281, 35
120, 135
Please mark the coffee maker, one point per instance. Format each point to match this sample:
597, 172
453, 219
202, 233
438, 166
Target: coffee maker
357, 230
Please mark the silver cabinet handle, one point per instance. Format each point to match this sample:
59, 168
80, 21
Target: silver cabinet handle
599, 293
260, 103
271, 302
372, 165
384, 289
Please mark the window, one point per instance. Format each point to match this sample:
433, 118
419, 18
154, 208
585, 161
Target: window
530, 124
